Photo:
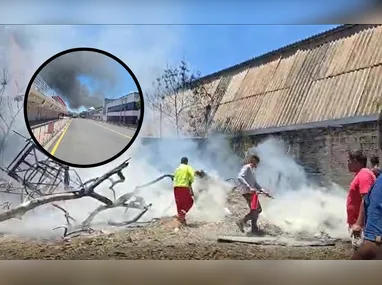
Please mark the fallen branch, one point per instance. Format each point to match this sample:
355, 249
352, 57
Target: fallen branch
113, 183
66, 233
138, 203
122, 224
20, 211
87, 190
120, 202
66, 213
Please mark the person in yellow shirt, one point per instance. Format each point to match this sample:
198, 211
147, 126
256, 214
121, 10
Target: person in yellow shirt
184, 176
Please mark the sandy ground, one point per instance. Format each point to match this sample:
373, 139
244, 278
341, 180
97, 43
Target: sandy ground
159, 242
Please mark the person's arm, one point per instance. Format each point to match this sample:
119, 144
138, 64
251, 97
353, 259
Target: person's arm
258, 187
365, 182
191, 175
241, 176
361, 216
191, 179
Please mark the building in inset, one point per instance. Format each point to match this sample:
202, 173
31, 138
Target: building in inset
43, 103
98, 114
124, 110
59, 100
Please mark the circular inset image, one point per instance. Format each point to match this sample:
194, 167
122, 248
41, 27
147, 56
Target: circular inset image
84, 107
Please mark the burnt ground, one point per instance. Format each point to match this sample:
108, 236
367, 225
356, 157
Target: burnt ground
159, 243
158, 240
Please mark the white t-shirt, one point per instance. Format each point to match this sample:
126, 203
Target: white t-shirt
247, 179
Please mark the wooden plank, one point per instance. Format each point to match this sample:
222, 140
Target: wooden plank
279, 241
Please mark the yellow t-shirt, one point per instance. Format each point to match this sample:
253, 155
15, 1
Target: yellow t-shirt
184, 176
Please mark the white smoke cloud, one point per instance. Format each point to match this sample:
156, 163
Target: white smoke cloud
299, 204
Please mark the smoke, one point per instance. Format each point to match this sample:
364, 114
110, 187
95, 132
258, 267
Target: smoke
63, 73
24, 48
148, 162
300, 206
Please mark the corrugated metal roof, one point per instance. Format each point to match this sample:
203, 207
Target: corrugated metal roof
276, 52
340, 78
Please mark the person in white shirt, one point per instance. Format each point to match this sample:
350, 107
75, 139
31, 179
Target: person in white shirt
250, 189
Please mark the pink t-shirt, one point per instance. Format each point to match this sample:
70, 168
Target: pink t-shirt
360, 185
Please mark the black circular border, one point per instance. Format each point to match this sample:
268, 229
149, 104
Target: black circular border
140, 122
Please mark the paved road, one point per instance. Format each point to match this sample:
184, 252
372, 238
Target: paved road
87, 142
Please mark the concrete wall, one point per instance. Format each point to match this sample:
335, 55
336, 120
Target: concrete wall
38, 113
322, 150
46, 132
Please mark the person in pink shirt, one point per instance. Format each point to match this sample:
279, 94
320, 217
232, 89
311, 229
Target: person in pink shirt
362, 182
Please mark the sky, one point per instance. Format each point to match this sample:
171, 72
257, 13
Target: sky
121, 88
185, 12
210, 48
146, 49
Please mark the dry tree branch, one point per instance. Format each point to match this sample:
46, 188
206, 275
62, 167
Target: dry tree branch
122, 201
87, 190
66, 213
20, 210
73, 233
125, 223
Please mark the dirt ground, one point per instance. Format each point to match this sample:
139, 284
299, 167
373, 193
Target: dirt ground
160, 241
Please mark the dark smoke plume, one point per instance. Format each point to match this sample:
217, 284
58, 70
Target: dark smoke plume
62, 74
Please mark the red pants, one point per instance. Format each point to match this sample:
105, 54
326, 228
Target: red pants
184, 201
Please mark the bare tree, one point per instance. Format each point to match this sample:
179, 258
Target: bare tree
199, 115
175, 93
10, 104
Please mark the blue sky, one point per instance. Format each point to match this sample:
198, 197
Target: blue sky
210, 48
222, 46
